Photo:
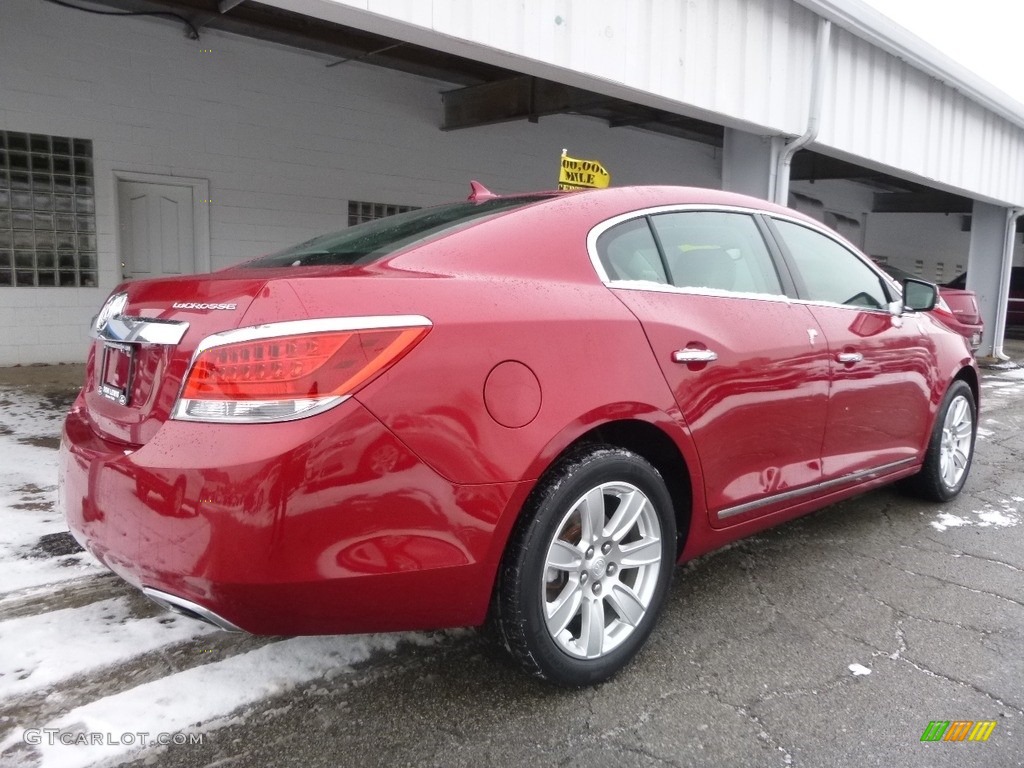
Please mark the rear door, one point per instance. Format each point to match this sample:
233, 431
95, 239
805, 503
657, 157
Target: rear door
747, 367
881, 366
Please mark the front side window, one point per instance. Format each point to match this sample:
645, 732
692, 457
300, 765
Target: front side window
715, 250
831, 272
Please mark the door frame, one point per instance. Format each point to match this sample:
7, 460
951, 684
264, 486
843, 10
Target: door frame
200, 214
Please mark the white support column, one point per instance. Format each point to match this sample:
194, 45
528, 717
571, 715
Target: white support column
749, 163
988, 275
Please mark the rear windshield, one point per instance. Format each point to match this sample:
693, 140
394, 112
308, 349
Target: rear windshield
373, 240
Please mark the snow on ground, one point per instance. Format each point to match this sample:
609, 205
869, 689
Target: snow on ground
206, 695
47, 652
1003, 517
999, 385
38, 651
946, 520
29, 429
26, 415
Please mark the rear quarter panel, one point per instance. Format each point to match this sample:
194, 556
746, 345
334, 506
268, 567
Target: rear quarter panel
496, 293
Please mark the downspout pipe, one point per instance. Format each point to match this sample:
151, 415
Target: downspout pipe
818, 78
1012, 214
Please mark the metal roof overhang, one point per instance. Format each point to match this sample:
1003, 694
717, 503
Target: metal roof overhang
490, 93
869, 24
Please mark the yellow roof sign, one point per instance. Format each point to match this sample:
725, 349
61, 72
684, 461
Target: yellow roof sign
582, 174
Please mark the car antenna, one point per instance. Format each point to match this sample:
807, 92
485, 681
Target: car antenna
478, 193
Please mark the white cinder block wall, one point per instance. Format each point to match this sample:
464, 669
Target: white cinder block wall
933, 243
284, 142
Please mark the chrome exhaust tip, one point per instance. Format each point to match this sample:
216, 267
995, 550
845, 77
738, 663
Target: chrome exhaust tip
187, 608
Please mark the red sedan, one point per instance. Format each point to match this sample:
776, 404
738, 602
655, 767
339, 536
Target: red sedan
519, 409
957, 308
1015, 301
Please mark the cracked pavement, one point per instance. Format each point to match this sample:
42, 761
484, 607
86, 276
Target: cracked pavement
749, 666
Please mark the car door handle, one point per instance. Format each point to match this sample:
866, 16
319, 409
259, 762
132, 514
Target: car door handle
691, 355
848, 358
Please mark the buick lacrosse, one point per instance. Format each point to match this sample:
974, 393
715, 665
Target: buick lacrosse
521, 410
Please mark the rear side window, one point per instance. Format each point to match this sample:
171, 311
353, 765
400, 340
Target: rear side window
829, 271
720, 251
373, 240
628, 252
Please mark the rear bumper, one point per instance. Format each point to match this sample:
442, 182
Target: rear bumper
976, 337
973, 332
320, 526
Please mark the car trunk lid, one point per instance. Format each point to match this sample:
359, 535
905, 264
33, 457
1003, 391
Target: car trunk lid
145, 336
963, 305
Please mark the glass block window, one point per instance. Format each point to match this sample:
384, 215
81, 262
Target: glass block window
359, 211
47, 211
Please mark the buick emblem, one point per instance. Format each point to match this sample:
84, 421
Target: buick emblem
112, 307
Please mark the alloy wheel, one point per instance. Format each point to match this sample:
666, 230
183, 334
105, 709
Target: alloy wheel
601, 570
955, 448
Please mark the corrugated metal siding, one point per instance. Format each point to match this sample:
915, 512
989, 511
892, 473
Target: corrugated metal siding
744, 63
745, 60
884, 110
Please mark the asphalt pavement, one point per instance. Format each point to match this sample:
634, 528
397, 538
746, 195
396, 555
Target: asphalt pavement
833, 640
750, 665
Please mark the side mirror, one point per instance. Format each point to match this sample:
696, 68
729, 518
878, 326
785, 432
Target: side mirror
919, 295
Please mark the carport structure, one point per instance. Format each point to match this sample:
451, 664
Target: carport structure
803, 101
763, 79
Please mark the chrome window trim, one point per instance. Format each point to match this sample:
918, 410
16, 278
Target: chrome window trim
865, 474
850, 307
139, 330
652, 287
828, 232
599, 229
295, 327
643, 285
640, 285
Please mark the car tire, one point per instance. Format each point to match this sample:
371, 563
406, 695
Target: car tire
947, 461
588, 567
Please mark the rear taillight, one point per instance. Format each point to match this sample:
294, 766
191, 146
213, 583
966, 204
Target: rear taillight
292, 370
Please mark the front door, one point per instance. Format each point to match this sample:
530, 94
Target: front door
157, 230
882, 366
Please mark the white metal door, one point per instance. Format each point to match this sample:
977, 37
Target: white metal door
157, 229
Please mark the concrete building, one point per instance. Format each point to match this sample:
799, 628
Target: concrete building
129, 148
